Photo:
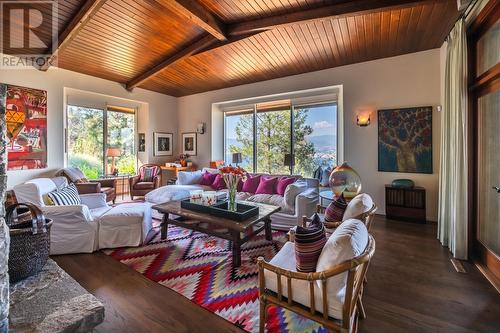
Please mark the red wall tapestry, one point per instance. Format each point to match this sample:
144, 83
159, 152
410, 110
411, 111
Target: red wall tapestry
26, 117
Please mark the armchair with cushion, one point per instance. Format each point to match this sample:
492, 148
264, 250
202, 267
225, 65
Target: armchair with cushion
332, 294
84, 186
75, 227
148, 179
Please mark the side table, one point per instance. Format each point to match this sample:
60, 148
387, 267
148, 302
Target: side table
123, 176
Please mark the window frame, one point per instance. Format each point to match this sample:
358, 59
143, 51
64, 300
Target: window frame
293, 106
104, 109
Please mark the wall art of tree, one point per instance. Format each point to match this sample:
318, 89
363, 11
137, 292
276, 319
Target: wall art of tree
405, 140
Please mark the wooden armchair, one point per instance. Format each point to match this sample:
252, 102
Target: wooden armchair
355, 268
367, 217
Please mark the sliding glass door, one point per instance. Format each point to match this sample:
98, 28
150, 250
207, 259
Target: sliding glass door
91, 131
85, 140
121, 135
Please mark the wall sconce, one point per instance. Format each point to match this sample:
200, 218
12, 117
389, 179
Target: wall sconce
200, 129
363, 121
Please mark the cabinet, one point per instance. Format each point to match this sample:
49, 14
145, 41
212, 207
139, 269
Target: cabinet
406, 204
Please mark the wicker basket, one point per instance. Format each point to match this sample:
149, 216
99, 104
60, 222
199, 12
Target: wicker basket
29, 240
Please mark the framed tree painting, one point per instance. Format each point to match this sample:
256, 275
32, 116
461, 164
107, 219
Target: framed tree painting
189, 144
163, 143
26, 120
405, 140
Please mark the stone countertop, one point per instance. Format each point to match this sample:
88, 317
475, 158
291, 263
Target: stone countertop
52, 301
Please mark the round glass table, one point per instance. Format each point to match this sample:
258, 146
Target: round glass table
325, 197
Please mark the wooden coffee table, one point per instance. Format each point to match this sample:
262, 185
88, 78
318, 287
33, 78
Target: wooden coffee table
236, 232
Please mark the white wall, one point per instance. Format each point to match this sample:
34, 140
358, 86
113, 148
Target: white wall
403, 81
159, 111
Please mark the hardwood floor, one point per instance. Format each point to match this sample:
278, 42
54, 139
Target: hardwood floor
412, 287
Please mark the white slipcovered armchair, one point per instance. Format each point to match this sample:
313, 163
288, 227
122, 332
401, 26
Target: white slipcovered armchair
75, 227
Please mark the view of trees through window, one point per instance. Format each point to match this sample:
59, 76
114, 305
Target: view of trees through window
314, 138
86, 128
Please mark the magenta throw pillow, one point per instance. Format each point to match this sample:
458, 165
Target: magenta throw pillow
208, 178
250, 185
283, 182
267, 185
219, 183
239, 187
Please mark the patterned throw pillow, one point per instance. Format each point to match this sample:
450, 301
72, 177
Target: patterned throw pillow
66, 196
309, 243
335, 210
148, 173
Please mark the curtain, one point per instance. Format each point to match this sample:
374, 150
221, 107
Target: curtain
452, 215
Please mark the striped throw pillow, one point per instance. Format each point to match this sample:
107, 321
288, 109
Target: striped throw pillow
66, 196
309, 243
148, 173
336, 209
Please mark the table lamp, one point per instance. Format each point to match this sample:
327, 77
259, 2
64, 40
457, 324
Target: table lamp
289, 161
112, 152
236, 158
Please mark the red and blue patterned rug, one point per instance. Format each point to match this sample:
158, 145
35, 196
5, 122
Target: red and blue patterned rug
199, 267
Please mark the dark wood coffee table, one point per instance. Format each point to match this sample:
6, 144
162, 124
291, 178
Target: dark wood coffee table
236, 232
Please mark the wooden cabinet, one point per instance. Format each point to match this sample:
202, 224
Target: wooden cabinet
406, 204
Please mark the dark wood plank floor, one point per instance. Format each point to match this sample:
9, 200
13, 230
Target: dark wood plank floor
412, 287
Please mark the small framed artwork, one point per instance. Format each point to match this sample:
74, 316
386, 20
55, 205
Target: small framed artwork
142, 143
189, 143
163, 144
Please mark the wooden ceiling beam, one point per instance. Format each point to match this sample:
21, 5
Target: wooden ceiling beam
199, 15
347, 8
84, 14
184, 52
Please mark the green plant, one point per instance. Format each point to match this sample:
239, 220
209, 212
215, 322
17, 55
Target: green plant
90, 166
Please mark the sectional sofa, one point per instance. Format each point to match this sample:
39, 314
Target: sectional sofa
300, 198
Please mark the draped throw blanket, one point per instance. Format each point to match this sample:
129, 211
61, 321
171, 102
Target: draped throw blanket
453, 196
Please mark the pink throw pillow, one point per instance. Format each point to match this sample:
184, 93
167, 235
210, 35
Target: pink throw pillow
251, 184
267, 185
219, 183
208, 178
239, 187
283, 182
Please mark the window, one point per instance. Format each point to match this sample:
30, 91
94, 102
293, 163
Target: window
90, 130
264, 136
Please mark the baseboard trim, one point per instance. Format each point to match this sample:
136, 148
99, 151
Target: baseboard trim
495, 282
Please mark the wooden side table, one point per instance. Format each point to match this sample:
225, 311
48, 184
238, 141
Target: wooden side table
175, 170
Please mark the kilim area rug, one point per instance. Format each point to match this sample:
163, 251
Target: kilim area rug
199, 267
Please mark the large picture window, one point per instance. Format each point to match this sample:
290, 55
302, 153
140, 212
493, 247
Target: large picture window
270, 132
91, 131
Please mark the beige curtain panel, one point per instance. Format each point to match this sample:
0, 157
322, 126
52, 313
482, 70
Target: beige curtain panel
453, 197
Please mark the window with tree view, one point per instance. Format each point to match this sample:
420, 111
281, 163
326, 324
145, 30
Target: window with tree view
312, 142
90, 130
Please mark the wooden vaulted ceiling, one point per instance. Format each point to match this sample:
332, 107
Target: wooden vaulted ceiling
181, 47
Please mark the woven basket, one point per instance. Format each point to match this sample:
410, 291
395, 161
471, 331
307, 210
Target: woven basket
29, 240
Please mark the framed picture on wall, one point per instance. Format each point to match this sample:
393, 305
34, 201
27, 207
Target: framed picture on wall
163, 143
405, 140
141, 146
189, 144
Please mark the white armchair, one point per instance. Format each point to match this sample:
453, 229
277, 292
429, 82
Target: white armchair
74, 228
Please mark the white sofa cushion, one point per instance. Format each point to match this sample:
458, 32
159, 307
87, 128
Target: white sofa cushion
300, 288
189, 177
271, 199
33, 190
293, 190
349, 240
210, 170
172, 192
358, 205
